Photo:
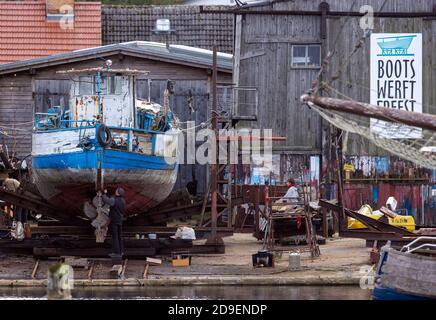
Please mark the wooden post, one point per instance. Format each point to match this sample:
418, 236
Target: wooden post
145, 274
213, 168
35, 269
325, 225
423, 120
340, 182
91, 269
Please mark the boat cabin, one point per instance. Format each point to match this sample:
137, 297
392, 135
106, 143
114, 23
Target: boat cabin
104, 96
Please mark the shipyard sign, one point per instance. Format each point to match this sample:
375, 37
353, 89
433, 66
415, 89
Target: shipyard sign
396, 80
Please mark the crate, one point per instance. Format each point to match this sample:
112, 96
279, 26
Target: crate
181, 261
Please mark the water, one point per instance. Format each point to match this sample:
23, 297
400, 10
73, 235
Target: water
201, 292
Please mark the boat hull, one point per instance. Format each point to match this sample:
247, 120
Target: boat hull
68, 180
405, 276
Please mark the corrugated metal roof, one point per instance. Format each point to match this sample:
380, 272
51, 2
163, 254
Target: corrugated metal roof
152, 50
25, 32
124, 23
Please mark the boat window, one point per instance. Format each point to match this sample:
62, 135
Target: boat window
108, 85
306, 56
86, 86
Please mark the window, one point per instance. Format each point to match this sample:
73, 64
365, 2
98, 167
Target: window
306, 56
85, 86
108, 85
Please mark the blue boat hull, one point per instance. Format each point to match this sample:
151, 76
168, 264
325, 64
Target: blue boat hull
67, 180
384, 293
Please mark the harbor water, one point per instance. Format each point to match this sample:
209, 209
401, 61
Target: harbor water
200, 292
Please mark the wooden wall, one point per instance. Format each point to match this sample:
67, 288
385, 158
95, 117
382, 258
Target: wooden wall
16, 114
263, 50
265, 63
354, 81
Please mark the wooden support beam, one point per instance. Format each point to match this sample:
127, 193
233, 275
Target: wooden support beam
153, 261
35, 269
422, 120
145, 274
325, 225
91, 269
123, 271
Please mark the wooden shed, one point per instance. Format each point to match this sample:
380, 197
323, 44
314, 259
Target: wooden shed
34, 85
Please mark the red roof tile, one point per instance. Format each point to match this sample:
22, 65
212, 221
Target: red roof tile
25, 32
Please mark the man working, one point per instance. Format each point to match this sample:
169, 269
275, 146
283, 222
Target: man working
20, 214
116, 213
291, 195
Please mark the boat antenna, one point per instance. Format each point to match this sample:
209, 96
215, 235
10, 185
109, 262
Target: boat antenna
108, 64
149, 90
98, 96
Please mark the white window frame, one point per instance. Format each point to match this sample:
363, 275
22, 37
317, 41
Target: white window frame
306, 45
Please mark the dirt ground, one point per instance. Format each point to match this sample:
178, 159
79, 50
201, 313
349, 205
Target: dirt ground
340, 258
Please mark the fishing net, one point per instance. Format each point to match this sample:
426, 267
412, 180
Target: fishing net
415, 144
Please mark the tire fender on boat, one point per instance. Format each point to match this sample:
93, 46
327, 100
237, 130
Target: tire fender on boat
104, 136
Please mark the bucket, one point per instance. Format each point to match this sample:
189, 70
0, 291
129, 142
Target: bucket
152, 236
294, 262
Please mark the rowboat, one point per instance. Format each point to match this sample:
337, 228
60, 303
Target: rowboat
407, 274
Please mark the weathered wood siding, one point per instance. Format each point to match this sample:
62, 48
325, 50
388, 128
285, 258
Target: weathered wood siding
354, 80
179, 105
264, 62
16, 114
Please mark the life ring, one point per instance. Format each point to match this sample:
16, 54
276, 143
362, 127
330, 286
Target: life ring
104, 136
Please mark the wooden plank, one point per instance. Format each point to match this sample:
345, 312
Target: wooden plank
154, 261
35, 269
77, 262
425, 121
123, 271
145, 274
280, 38
137, 253
91, 269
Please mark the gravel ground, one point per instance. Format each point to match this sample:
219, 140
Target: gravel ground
338, 256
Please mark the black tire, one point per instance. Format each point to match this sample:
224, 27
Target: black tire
104, 136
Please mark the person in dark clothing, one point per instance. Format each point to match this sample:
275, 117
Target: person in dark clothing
21, 215
116, 213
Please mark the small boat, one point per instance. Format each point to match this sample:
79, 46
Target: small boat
397, 45
407, 274
106, 138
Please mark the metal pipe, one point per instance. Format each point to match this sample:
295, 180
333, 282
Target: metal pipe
98, 92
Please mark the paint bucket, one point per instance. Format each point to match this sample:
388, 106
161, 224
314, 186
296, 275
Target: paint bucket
294, 261
152, 236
